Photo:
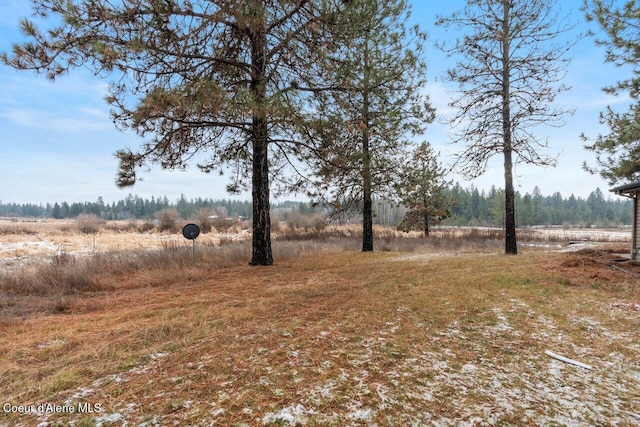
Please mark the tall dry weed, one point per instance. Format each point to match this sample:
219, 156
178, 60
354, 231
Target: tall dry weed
63, 276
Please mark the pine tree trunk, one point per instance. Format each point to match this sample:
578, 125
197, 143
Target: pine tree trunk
261, 243
367, 208
510, 245
426, 224
425, 215
367, 205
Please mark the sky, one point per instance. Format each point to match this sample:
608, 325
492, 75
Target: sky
57, 141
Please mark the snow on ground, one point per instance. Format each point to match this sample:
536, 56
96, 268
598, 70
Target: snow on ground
17, 250
485, 373
529, 387
21, 250
85, 394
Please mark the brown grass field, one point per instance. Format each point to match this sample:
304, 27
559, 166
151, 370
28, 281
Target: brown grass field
418, 333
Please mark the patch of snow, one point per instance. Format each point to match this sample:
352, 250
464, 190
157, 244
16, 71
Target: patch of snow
80, 393
502, 326
217, 412
360, 414
468, 368
158, 356
130, 408
291, 414
154, 422
108, 418
294, 354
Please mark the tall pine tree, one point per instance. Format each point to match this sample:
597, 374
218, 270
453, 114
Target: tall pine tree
197, 79
508, 76
373, 102
618, 152
421, 189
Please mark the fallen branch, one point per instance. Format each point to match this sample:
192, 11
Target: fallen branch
615, 267
567, 360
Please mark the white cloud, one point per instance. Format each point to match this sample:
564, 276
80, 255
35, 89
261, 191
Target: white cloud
67, 105
440, 95
591, 99
76, 121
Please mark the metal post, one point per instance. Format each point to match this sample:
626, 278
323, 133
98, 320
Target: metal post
634, 229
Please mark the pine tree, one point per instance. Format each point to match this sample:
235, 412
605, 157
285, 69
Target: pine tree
373, 104
56, 212
618, 152
191, 77
421, 190
508, 78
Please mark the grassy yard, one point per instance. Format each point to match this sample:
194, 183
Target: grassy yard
336, 338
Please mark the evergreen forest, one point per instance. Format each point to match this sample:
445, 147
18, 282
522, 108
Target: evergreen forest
469, 207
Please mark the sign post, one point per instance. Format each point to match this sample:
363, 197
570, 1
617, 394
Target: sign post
191, 232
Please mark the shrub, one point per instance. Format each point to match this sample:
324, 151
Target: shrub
168, 219
275, 222
222, 223
319, 222
297, 221
294, 221
89, 223
145, 227
202, 216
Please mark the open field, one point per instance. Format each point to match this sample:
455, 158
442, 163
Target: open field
28, 242
25, 242
330, 336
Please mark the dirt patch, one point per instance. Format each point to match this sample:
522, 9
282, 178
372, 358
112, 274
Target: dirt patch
608, 265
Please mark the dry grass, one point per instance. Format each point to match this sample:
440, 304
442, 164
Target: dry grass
63, 279
337, 338
46, 279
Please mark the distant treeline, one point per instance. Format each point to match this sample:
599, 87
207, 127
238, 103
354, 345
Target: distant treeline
131, 207
470, 206
135, 207
474, 207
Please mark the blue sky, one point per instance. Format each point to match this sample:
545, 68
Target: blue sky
57, 140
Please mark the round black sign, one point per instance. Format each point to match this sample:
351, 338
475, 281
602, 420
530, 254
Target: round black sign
191, 231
